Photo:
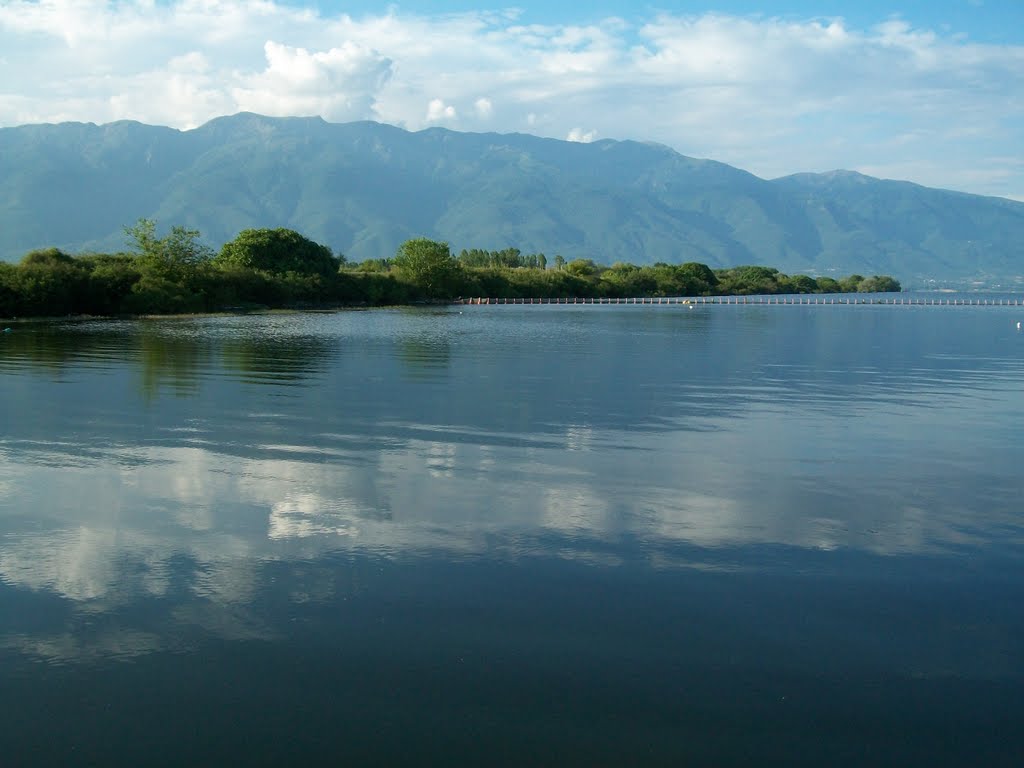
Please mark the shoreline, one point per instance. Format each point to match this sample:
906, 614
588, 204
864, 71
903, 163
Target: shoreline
908, 298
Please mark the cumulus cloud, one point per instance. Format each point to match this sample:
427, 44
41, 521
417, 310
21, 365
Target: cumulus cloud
772, 95
581, 136
338, 84
438, 111
484, 108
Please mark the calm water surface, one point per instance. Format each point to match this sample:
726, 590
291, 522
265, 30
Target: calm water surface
515, 535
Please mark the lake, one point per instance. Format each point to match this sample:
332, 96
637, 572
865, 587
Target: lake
660, 535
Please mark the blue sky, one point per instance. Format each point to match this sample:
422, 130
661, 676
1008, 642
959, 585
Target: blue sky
999, 21
932, 92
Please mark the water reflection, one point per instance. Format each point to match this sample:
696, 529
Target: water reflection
425, 356
623, 438
173, 353
171, 360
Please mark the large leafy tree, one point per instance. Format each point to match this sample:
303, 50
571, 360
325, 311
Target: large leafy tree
278, 251
699, 277
879, 284
177, 256
430, 266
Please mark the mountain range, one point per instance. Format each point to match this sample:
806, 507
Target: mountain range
363, 188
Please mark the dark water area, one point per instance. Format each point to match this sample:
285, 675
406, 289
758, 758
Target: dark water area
508, 535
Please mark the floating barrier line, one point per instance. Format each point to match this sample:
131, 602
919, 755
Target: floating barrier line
753, 301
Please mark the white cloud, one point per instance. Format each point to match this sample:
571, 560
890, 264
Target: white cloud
483, 107
579, 135
771, 95
339, 84
438, 111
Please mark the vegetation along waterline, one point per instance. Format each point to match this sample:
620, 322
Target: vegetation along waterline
274, 268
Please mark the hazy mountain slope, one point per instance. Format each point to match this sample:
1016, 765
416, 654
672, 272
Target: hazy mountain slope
362, 188
928, 231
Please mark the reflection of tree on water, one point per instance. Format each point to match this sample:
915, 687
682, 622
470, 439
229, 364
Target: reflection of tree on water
275, 359
425, 356
170, 353
172, 360
180, 356
425, 348
56, 347
163, 358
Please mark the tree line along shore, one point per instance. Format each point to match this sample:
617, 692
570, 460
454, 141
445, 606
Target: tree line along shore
280, 268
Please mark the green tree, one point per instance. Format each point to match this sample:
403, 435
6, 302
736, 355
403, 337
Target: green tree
111, 278
47, 257
698, 278
50, 282
582, 267
8, 290
750, 279
509, 257
373, 265
176, 257
559, 261
849, 283
475, 257
802, 284
278, 251
429, 265
828, 285
878, 284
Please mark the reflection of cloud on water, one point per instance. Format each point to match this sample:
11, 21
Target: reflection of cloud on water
307, 514
225, 513
224, 622
578, 438
118, 644
575, 509
181, 630
225, 568
198, 528
86, 564
440, 459
696, 518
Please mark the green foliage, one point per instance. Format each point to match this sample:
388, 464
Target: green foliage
176, 257
582, 267
47, 257
174, 274
748, 280
278, 251
878, 284
849, 284
509, 257
9, 298
502, 282
48, 283
378, 289
429, 265
374, 265
111, 279
154, 293
828, 285
796, 284
701, 276
623, 280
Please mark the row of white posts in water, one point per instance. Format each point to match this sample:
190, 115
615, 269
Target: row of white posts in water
915, 301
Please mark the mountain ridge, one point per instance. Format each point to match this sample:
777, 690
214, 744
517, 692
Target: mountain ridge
364, 187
